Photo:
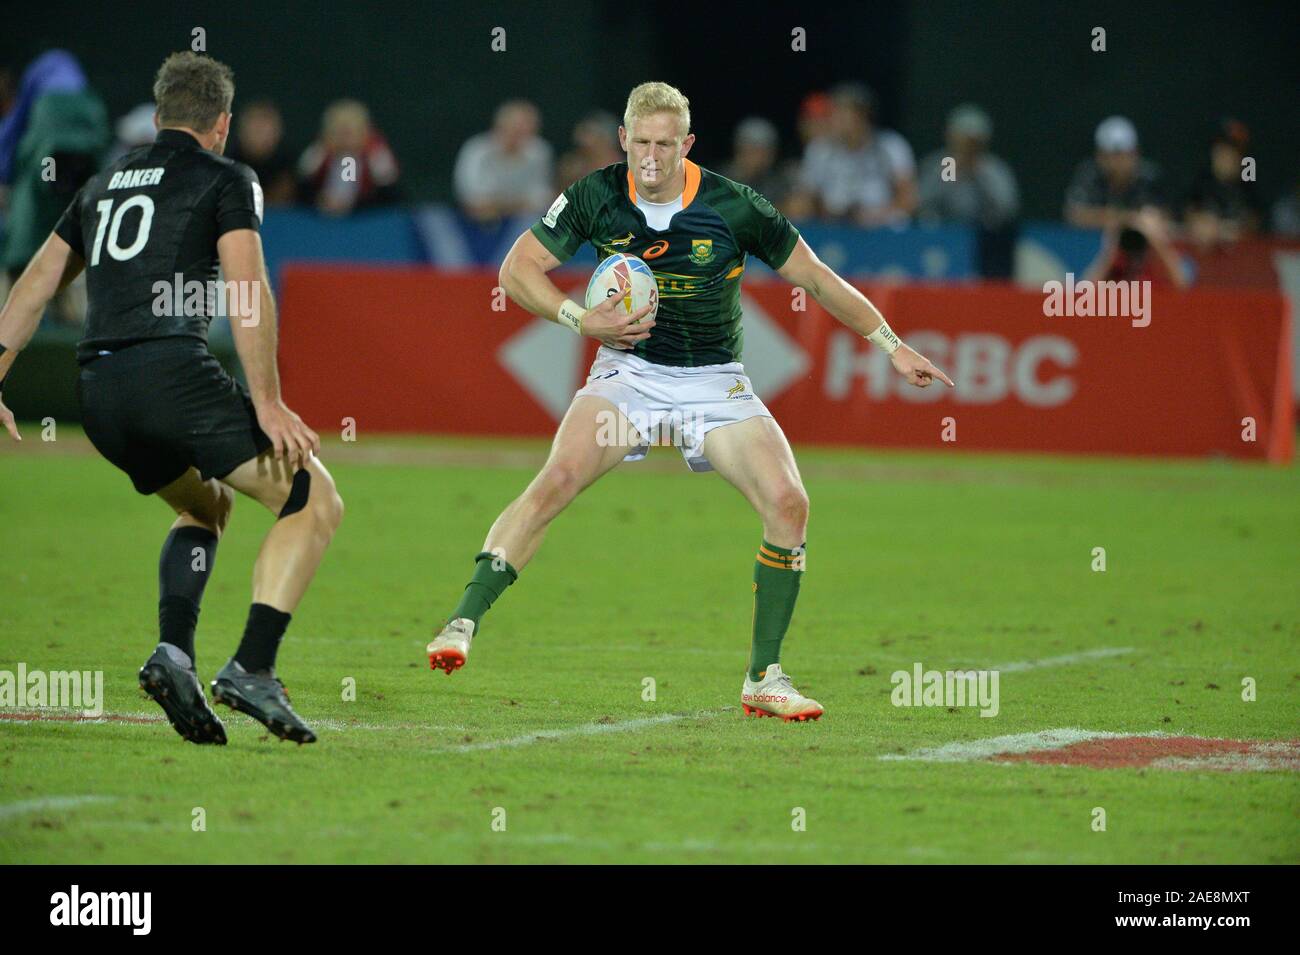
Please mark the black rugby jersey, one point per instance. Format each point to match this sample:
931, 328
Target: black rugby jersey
147, 227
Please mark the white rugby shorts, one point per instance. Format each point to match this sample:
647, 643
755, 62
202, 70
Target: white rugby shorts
668, 404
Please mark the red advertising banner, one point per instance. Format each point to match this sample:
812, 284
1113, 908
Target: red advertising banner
1209, 373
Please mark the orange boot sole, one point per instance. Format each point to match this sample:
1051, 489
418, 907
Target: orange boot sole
449, 660
792, 718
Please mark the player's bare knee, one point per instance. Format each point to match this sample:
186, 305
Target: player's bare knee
557, 485
788, 510
313, 491
330, 507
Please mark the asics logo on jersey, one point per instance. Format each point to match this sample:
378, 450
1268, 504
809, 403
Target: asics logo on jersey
656, 250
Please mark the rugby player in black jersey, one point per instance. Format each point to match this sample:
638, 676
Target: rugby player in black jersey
150, 231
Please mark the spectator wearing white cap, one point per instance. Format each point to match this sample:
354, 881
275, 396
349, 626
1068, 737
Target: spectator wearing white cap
754, 160
976, 188
1117, 184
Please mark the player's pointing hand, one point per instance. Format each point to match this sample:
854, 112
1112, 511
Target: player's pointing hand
7, 417
917, 369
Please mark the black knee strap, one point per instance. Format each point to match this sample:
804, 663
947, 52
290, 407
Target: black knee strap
298, 493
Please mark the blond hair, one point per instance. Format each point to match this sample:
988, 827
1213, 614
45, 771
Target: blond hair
650, 98
343, 113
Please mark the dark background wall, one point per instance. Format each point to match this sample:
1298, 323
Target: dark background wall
1172, 68
431, 79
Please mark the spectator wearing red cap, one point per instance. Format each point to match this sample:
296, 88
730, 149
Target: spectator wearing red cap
858, 172
1222, 204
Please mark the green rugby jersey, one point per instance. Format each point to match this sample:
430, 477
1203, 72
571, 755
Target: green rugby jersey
698, 260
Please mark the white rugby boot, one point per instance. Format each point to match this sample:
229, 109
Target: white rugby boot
450, 648
775, 695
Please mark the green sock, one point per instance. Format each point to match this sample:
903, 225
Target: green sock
777, 572
487, 584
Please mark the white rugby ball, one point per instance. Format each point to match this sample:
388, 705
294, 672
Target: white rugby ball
626, 277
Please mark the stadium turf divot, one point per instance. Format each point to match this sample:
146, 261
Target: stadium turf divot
1105, 750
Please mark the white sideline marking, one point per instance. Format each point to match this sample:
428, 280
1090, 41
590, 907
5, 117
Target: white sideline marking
975, 749
49, 802
1061, 661
64, 714
584, 729
51, 714
59, 714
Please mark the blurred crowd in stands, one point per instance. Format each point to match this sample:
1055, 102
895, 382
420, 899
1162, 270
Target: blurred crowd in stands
849, 168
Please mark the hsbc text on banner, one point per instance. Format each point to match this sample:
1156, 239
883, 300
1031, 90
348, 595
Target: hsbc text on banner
419, 350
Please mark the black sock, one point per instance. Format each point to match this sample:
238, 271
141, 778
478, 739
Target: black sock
262, 636
177, 618
184, 566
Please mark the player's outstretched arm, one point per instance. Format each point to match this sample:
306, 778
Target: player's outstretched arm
256, 341
52, 268
855, 310
523, 276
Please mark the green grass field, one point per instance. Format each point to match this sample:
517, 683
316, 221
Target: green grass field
947, 560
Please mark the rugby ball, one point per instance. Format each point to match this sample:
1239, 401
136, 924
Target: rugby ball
625, 277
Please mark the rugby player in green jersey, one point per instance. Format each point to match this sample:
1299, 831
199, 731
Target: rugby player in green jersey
680, 369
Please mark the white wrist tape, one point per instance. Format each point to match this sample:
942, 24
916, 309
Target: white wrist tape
884, 337
570, 315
